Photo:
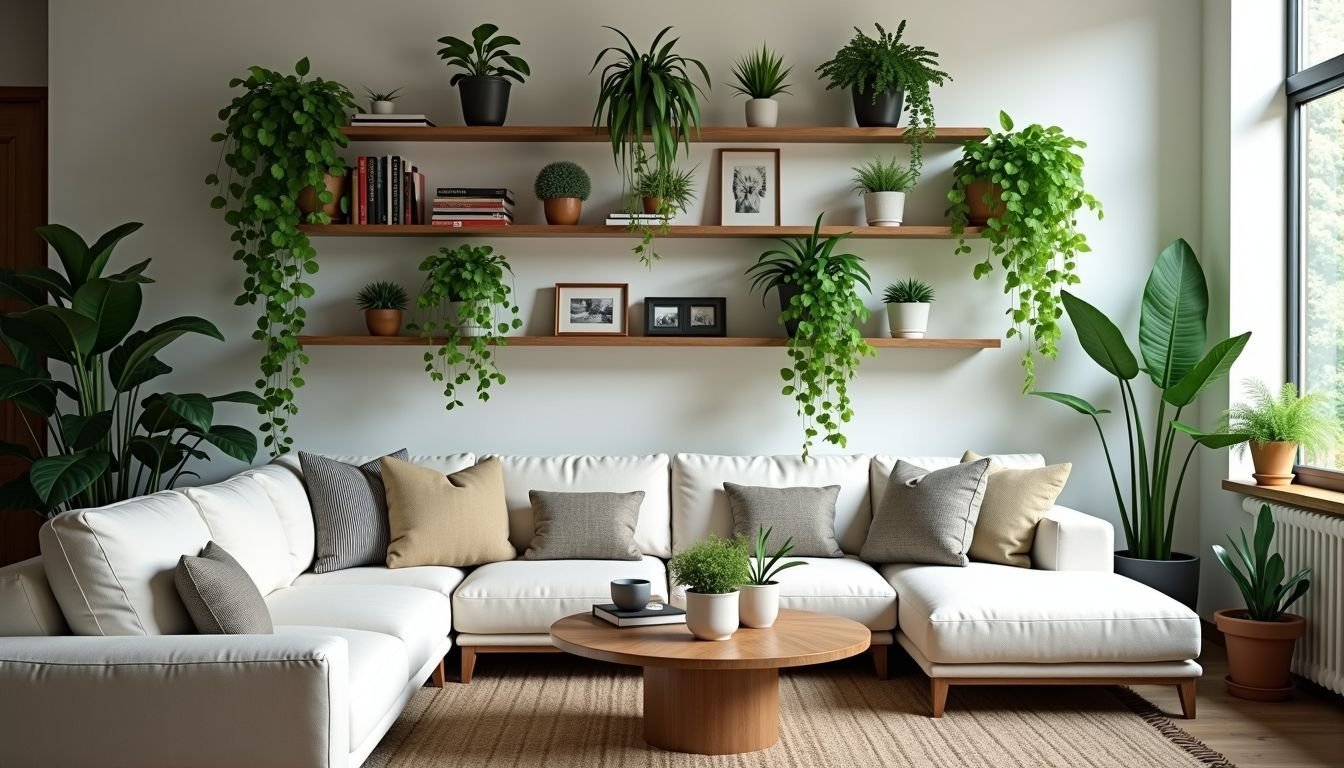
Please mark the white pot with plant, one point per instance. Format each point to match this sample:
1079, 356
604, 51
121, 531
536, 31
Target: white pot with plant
761, 76
883, 186
382, 103
759, 604
711, 571
1277, 426
908, 308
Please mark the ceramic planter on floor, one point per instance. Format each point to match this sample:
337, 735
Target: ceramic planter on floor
383, 322
908, 321
885, 112
979, 211
884, 209
1259, 654
711, 616
308, 203
762, 113
382, 107
1273, 462
758, 606
466, 329
485, 100
1177, 578
562, 210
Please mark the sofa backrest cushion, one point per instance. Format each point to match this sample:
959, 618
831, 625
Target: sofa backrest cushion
111, 568
27, 606
882, 465
243, 522
700, 505
288, 495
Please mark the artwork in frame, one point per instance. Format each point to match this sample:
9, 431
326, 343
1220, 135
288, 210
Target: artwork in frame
749, 187
591, 309
679, 316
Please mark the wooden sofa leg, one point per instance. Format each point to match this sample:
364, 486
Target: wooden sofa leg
437, 677
1187, 692
938, 692
468, 664
880, 656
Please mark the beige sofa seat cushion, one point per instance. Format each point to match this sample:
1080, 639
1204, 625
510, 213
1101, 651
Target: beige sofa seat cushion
453, 520
986, 613
1015, 501
420, 618
243, 522
27, 606
527, 596
436, 578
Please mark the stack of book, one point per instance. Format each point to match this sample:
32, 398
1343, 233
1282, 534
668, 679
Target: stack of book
402, 121
653, 615
623, 219
473, 207
386, 190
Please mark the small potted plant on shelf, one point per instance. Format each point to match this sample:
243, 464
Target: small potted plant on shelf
711, 571
1277, 426
908, 308
1260, 638
759, 603
761, 76
487, 66
383, 302
562, 187
883, 186
382, 103
665, 192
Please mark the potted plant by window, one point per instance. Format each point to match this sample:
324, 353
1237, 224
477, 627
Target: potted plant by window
711, 571
562, 187
1277, 426
759, 603
1027, 187
883, 186
1260, 638
665, 192
1172, 344
487, 65
383, 303
908, 308
761, 76
382, 103
820, 306
465, 307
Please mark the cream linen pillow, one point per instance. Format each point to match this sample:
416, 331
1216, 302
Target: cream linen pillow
457, 520
1015, 501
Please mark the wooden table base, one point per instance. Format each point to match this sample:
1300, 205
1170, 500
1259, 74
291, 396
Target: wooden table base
711, 712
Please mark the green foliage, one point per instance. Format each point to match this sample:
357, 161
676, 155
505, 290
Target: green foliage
382, 294
673, 186
482, 56
474, 276
1308, 420
879, 64
104, 442
879, 176
761, 74
1035, 237
281, 135
765, 567
908, 291
1262, 586
563, 179
1172, 321
380, 96
714, 566
828, 346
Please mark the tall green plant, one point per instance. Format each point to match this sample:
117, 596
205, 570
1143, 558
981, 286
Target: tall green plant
1172, 342
1262, 585
106, 442
281, 134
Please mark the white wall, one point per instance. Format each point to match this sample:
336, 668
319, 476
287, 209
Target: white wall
135, 88
23, 42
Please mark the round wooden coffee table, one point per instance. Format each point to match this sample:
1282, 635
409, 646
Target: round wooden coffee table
707, 697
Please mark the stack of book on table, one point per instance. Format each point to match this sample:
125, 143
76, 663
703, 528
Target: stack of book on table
626, 219
386, 189
655, 613
402, 121
473, 207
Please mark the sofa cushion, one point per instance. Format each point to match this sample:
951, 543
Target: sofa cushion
597, 525
111, 568
803, 516
420, 618
437, 578
880, 468
927, 516
527, 596
1015, 501
986, 613
243, 522
220, 597
349, 511
453, 520
284, 487
27, 606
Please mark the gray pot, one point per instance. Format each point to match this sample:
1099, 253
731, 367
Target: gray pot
1177, 578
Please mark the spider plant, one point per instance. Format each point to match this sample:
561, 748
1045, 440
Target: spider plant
765, 567
672, 188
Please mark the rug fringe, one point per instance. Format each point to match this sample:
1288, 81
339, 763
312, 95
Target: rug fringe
1155, 717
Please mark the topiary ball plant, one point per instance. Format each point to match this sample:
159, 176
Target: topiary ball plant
563, 179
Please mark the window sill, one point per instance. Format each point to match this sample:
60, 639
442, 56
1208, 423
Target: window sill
1302, 496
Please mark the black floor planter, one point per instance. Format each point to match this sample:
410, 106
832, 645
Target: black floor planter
485, 100
1177, 578
884, 113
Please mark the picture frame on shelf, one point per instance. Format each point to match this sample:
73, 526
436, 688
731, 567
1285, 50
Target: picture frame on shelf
681, 316
749, 187
592, 309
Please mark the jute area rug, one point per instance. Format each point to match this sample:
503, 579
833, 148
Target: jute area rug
563, 712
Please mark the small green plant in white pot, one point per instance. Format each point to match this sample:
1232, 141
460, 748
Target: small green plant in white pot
761, 76
759, 604
711, 571
908, 303
382, 103
883, 185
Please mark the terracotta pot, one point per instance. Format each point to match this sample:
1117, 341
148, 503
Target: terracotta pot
308, 197
562, 210
1259, 654
652, 204
383, 322
1273, 462
979, 212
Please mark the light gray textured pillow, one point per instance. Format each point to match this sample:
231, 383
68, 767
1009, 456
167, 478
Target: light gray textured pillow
806, 515
927, 517
584, 526
349, 511
220, 597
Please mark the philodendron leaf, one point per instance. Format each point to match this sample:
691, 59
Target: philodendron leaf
140, 347
70, 248
1213, 440
83, 432
1076, 403
113, 306
1100, 338
56, 332
235, 442
195, 409
57, 479
243, 397
1173, 317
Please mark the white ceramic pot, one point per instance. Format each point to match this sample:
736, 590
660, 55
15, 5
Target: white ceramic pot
759, 605
382, 107
711, 617
884, 209
762, 113
908, 321
465, 329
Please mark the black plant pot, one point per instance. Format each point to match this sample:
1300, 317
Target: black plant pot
485, 100
786, 293
884, 113
1177, 578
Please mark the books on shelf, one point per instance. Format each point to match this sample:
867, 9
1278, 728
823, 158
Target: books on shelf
366, 119
647, 617
626, 219
386, 189
472, 207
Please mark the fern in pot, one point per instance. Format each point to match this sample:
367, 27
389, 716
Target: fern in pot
883, 185
761, 76
908, 304
1276, 426
759, 603
711, 571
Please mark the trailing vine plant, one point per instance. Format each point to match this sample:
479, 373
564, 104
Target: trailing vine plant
281, 134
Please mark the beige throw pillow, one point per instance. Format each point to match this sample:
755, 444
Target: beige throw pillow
457, 520
1015, 501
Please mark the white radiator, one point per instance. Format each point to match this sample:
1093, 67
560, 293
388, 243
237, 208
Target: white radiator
1316, 541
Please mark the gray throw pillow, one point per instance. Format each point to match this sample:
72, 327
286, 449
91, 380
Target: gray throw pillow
584, 526
349, 511
220, 597
806, 515
927, 517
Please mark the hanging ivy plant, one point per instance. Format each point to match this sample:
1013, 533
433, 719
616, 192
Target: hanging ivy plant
281, 135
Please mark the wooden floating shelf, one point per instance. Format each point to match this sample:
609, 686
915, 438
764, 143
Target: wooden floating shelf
641, 341
676, 230
731, 134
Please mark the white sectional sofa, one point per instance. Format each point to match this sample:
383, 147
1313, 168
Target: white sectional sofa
93, 632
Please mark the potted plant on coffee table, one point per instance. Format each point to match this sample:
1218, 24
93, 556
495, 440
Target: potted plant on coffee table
562, 187
908, 303
761, 76
883, 185
381, 103
1277, 426
1260, 638
759, 603
487, 66
711, 571
383, 302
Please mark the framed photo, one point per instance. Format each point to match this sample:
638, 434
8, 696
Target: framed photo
749, 187
664, 316
591, 309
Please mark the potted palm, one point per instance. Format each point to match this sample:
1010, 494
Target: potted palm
883, 186
381, 103
761, 76
562, 187
1260, 638
1277, 426
665, 192
759, 602
383, 302
711, 571
487, 66
908, 308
